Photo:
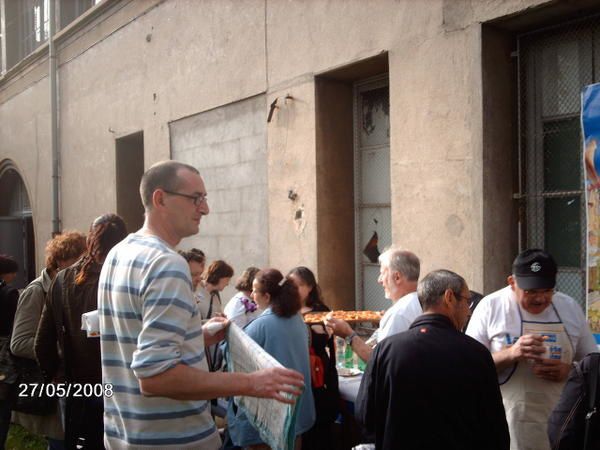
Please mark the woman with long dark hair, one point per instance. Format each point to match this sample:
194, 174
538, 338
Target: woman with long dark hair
325, 386
73, 292
280, 330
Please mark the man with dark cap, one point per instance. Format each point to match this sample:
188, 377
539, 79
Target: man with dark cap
534, 333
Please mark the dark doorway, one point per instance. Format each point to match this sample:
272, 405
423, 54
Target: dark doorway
16, 224
130, 167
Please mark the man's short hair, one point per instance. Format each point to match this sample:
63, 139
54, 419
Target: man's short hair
162, 175
403, 261
8, 265
431, 288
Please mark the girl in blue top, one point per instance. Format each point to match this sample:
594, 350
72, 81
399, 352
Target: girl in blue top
281, 331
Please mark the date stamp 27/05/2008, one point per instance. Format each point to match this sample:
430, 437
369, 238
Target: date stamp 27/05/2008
60, 390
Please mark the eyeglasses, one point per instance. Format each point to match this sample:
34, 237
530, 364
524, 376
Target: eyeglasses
462, 297
198, 199
539, 291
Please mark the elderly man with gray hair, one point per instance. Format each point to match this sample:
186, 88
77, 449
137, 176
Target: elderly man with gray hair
398, 274
433, 387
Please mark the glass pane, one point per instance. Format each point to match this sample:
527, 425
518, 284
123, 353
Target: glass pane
562, 155
566, 65
563, 230
373, 292
375, 220
375, 117
375, 175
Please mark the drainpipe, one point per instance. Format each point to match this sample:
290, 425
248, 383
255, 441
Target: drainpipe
54, 124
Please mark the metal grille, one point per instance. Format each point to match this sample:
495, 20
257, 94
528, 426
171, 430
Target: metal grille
372, 186
554, 65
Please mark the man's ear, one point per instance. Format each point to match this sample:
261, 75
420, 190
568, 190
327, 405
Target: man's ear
158, 198
511, 281
448, 295
398, 277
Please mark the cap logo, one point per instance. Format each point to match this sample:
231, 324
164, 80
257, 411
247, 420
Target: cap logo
536, 267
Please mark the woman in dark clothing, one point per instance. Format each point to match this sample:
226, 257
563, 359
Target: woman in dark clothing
73, 292
9, 297
325, 389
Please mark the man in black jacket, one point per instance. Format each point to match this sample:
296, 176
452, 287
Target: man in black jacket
433, 387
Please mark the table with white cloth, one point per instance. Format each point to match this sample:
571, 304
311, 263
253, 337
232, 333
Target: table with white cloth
350, 431
349, 387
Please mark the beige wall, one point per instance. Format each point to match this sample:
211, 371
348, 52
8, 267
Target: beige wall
140, 65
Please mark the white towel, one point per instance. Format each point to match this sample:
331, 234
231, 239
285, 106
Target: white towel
275, 421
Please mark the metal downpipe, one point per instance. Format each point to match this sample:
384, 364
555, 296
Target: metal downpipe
56, 225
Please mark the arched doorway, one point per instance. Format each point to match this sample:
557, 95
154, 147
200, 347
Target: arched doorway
16, 224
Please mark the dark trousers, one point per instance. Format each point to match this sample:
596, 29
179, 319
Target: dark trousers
84, 426
5, 413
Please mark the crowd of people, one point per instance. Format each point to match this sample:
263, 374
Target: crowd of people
427, 383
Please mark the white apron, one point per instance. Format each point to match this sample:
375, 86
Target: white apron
529, 400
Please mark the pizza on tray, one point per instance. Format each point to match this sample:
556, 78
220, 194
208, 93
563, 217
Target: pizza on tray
348, 316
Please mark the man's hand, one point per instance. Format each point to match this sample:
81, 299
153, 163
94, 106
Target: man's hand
338, 326
551, 370
270, 383
529, 346
210, 335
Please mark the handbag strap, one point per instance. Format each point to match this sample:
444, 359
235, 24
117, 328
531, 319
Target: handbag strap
213, 294
592, 390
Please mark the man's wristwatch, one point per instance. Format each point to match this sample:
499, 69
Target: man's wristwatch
348, 339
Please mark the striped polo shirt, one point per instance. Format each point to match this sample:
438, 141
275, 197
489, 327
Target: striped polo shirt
149, 323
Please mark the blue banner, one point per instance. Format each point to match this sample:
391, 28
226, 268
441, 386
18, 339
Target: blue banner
590, 124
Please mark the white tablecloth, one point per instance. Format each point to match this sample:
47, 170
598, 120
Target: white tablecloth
349, 387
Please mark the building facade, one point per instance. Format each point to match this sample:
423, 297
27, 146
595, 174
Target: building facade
321, 128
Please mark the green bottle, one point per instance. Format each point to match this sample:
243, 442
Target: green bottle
361, 364
349, 357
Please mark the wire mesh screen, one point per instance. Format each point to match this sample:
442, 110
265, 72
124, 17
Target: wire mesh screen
372, 187
554, 65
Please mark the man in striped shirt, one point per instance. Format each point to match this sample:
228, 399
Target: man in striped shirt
152, 339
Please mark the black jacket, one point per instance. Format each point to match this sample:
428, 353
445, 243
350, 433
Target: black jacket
566, 424
66, 301
432, 387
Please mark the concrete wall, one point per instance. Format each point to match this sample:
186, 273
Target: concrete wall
228, 146
139, 65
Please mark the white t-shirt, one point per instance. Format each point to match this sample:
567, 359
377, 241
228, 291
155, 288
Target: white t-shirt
496, 321
399, 317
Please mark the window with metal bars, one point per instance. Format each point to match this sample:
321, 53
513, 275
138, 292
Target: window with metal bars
26, 25
554, 65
